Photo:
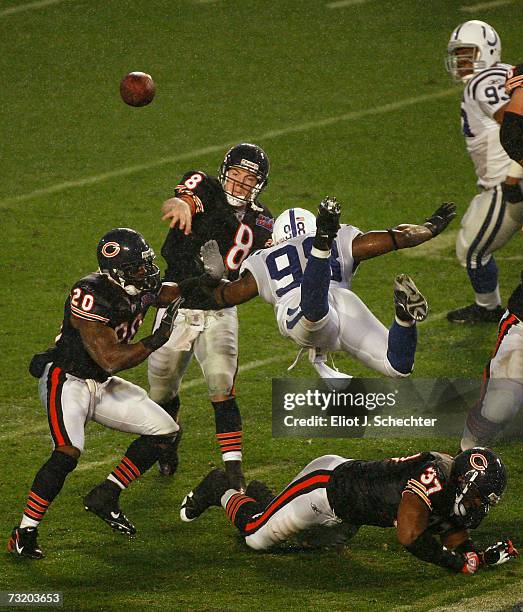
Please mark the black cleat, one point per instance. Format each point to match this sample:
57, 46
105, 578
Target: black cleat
260, 492
103, 501
23, 543
409, 303
168, 460
208, 493
475, 314
327, 223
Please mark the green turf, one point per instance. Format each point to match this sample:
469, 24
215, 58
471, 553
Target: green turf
311, 85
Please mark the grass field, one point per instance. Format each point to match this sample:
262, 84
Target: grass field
351, 101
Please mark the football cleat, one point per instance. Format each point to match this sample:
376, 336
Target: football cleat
208, 493
168, 460
259, 491
327, 223
475, 314
103, 501
23, 543
408, 301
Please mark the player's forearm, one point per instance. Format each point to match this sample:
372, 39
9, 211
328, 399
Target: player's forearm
428, 549
120, 356
373, 244
511, 134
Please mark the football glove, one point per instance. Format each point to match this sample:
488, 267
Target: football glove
440, 218
499, 553
512, 193
159, 337
212, 261
514, 79
471, 565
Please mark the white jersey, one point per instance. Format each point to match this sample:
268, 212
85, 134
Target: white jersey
278, 270
483, 96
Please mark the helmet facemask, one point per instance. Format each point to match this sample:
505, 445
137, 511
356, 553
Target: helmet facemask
231, 185
137, 276
463, 62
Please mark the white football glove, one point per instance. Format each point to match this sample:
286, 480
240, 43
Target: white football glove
213, 260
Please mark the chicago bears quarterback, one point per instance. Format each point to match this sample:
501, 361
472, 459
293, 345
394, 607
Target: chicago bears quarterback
227, 210
76, 381
496, 212
430, 498
306, 275
511, 134
502, 391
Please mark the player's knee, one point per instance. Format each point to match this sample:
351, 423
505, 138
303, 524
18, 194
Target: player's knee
219, 385
64, 459
69, 451
256, 543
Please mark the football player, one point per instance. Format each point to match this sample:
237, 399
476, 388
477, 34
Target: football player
502, 392
77, 381
226, 209
430, 498
496, 212
306, 275
512, 127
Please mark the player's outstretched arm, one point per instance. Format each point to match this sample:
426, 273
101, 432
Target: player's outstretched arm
405, 236
412, 522
102, 344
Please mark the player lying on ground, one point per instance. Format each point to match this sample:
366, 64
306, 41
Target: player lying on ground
495, 214
229, 211
101, 315
307, 275
502, 393
512, 126
430, 498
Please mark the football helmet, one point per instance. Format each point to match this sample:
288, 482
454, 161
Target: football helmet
291, 223
480, 478
473, 46
125, 256
248, 157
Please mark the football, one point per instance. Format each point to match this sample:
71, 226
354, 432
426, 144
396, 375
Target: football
137, 89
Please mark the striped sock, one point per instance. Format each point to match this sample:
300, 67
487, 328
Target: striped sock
233, 505
230, 445
124, 473
34, 510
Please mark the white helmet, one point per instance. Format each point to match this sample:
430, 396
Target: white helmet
291, 223
484, 47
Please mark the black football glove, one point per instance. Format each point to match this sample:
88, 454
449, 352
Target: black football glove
514, 79
159, 337
440, 218
499, 553
512, 193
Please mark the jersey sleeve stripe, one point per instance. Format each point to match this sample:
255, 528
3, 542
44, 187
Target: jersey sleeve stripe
89, 316
413, 486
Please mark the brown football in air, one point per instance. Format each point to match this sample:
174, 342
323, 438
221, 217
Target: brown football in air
137, 89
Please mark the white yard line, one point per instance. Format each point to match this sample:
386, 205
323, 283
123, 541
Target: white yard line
472, 8
29, 7
345, 3
270, 135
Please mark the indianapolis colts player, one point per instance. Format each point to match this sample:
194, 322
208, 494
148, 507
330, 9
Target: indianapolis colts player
307, 274
496, 212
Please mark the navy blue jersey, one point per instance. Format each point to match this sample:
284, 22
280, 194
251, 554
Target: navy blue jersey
369, 492
213, 219
97, 298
